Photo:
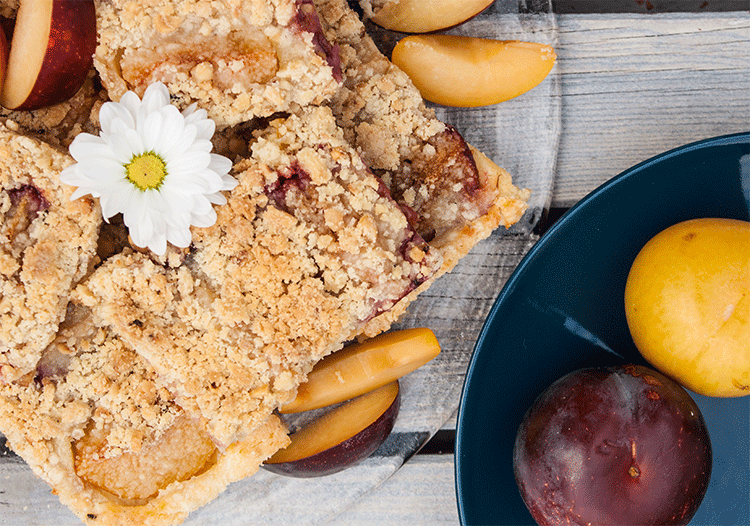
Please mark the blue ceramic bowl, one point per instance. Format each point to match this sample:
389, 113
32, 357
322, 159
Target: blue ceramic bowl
562, 309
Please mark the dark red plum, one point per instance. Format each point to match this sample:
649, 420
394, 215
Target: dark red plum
618, 446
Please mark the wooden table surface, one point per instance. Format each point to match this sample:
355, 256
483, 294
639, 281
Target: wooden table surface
633, 85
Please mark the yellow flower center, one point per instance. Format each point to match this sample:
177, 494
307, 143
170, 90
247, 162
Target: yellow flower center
146, 171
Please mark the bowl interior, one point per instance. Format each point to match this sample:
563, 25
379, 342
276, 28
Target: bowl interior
562, 309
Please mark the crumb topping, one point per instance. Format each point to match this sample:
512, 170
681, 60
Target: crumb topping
274, 286
46, 245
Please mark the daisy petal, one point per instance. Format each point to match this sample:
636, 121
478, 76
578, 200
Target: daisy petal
157, 244
172, 133
135, 141
86, 144
187, 112
179, 237
155, 97
202, 144
80, 192
118, 201
150, 131
217, 198
206, 128
189, 162
112, 111
205, 220
203, 207
120, 148
230, 183
183, 145
220, 164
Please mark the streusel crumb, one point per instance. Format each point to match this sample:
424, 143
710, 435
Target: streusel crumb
237, 59
46, 244
308, 249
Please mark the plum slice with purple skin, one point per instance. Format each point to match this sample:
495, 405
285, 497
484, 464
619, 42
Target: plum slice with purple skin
340, 438
620, 445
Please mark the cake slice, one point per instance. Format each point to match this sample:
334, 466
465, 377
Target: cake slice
309, 248
425, 163
46, 245
458, 195
94, 421
237, 59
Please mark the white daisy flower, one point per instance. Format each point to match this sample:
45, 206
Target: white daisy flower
154, 165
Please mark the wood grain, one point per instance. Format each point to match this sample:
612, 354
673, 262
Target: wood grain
634, 86
420, 493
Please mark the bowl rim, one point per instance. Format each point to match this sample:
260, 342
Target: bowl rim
532, 254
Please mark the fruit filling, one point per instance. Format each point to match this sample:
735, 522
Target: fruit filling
240, 58
19, 209
180, 452
441, 183
307, 20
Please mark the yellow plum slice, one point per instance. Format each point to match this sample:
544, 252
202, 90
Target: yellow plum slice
365, 366
423, 16
468, 71
340, 438
181, 452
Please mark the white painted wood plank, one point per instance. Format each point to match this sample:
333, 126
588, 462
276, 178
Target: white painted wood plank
420, 493
637, 85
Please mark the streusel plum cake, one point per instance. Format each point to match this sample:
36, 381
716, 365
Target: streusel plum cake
137, 385
96, 422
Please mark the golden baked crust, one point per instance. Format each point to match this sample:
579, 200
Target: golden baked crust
237, 58
308, 249
95, 422
46, 245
